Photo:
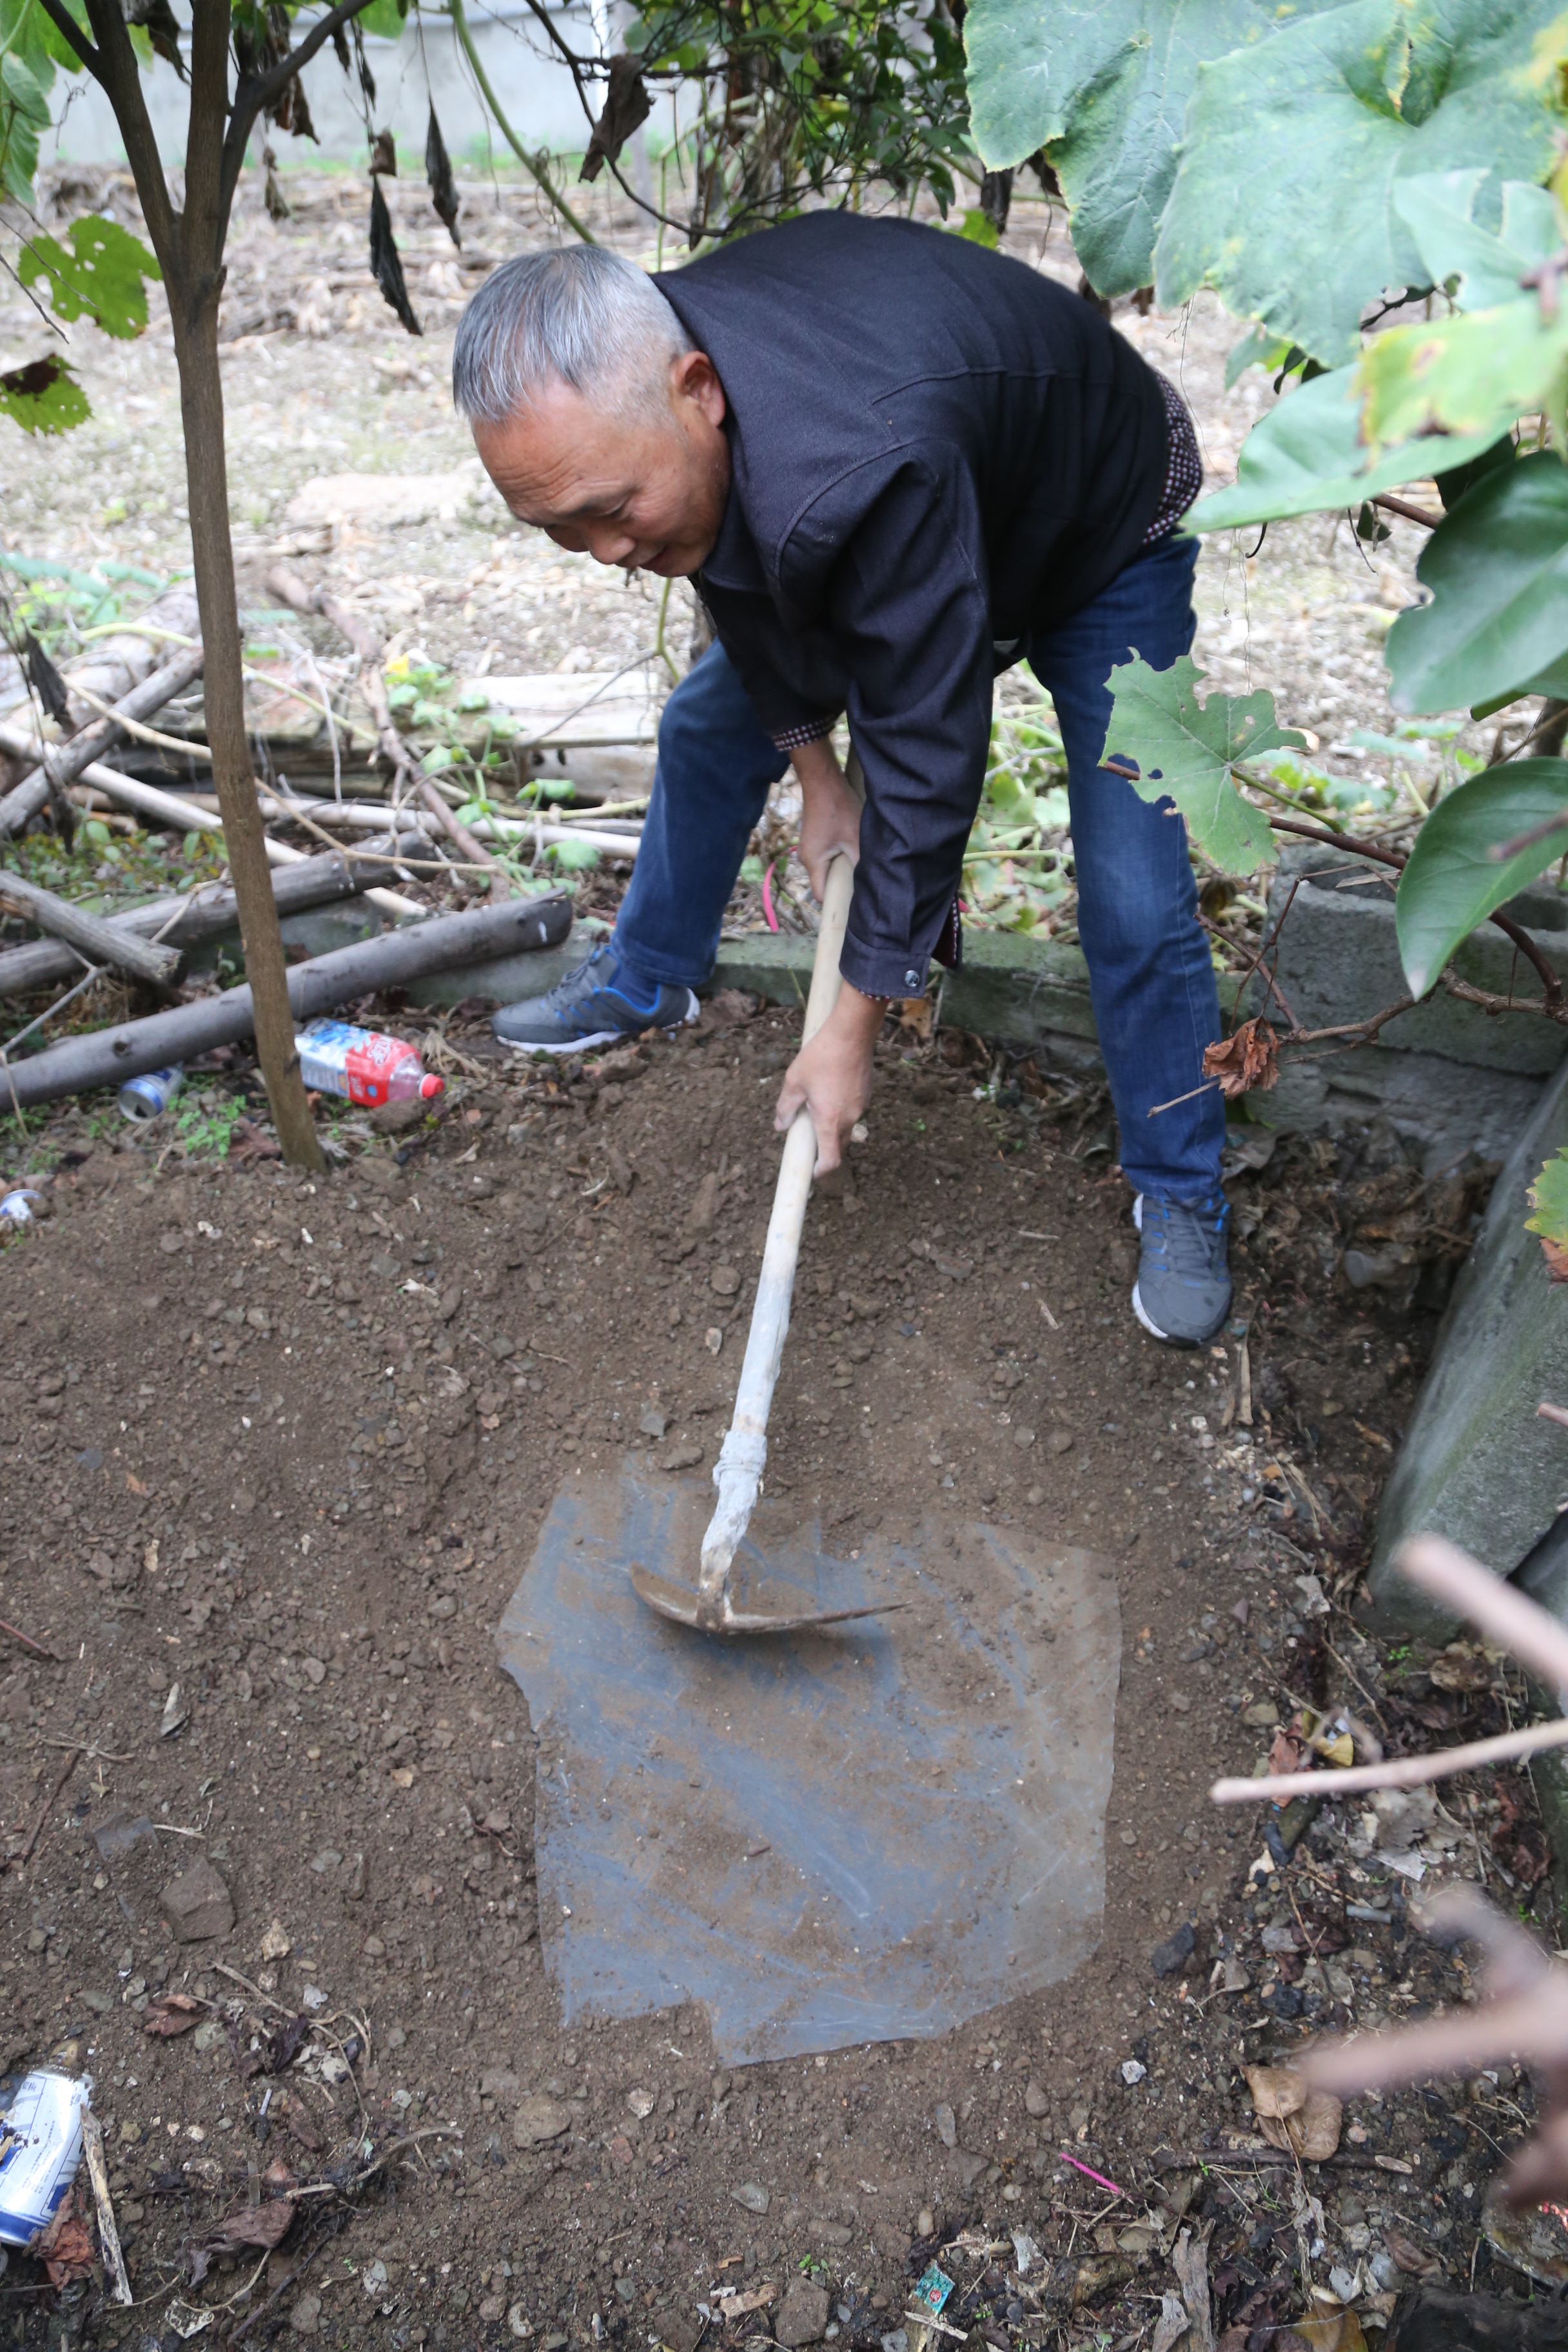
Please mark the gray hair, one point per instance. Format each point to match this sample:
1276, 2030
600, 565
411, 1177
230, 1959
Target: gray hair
577, 315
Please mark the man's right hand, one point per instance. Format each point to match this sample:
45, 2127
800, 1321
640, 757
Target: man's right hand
830, 816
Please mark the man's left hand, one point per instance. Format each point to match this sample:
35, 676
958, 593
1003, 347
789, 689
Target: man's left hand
832, 1074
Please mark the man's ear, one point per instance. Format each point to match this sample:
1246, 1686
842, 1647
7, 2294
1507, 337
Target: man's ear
693, 377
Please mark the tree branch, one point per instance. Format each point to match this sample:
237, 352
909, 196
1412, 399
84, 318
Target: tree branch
119, 71
70, 32
532, 164
1551, 986
569, 59
1489, 1002
257, 92
1412, 514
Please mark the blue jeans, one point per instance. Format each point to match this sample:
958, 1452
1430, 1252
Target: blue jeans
1150, 980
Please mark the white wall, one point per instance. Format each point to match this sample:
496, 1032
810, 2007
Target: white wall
534, 88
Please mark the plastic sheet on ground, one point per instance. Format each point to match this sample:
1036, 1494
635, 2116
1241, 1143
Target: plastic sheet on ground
871, 1832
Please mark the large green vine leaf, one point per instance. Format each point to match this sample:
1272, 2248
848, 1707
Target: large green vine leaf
1307, 455
100, 276
1482, 265
1185, 750
1104, 85
1497, 571
1293, 152
1451, 883
1473, 373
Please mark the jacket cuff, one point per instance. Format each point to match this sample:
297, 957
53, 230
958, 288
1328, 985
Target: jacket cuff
891, 973
802, 731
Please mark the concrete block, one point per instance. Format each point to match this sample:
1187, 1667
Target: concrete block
1445, 1111
1339, 960
1477, 1466
1026, 992
506, 979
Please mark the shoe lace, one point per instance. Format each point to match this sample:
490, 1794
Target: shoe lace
1189, 1239
581, 982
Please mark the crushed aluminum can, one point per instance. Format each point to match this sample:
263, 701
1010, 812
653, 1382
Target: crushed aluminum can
931, 2290
40, 2147
149, 1095
13, 1206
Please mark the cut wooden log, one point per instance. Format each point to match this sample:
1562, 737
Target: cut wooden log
100, 941
107, 1058
67, 760
314, 882
364, 815
115, 667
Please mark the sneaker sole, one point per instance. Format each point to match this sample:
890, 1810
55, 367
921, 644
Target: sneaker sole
601, 1036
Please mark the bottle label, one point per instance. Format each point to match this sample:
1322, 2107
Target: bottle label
336, 1058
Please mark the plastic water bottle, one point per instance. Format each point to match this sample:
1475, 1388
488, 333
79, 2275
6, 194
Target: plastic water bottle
365, 1066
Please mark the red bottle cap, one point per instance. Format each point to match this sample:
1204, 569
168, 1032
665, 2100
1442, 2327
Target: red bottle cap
431, 1085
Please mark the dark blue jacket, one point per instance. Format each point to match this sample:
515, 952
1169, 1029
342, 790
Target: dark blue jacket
936, 451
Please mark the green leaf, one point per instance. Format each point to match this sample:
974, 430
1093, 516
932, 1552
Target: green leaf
44, 397
1484, 265
1474, 372
1497, 571
1257, 348
1292, 151
23, 117
1185, 750
1451, 884
100, 276
979, 228
1307, 456
573, 856
1104, 85
1549, 1199
383, 19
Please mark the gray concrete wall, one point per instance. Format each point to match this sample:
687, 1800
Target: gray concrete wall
1449, 1077
1476, 1464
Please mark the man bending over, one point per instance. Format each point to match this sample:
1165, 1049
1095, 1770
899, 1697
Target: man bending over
891, 463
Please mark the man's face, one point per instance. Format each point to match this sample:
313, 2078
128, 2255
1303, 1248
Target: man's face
646, 493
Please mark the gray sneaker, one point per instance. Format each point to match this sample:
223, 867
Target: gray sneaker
1182, 1291
597, 1004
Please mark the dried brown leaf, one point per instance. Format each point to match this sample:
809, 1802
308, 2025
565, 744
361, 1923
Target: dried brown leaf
1247, 1058
252, 2225
172, 2013
65, 2248
626, 106
1311, 2132
1556, 1257
1277, 2091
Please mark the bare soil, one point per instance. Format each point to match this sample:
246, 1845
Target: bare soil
285, 1444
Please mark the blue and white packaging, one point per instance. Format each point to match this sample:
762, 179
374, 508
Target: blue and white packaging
149, 1094
40, 2147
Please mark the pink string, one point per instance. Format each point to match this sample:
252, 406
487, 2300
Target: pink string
1099, 2176
773, 920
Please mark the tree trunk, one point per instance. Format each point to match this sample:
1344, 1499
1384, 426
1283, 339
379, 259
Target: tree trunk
206, 475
